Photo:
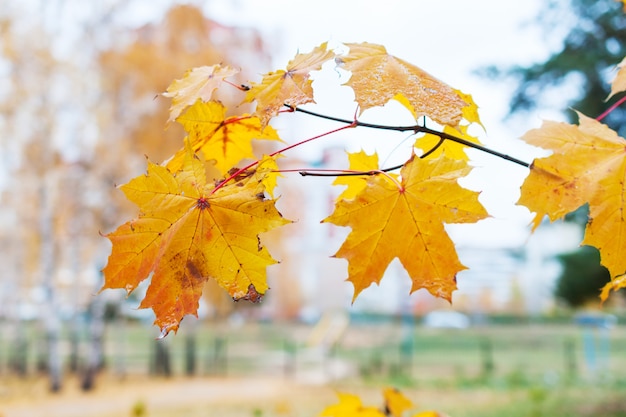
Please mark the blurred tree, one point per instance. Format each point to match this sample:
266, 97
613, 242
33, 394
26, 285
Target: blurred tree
72, 73
36, 167
582, 277
183, 40
594, 42
134, 113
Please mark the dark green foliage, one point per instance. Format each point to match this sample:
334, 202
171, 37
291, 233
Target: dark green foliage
595, 42
582, 277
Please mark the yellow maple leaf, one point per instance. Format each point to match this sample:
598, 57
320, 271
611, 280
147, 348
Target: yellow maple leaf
291, 86
429, 413
269, 170
395, 402
197, 83
588, 165
470, 112
395, 405
378, 77
359, 161
405, 220
615, 284
350, 406
449, 148
188, 233
224, 140
619, 82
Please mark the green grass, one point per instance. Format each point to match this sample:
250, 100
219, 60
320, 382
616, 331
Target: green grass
520, 355
561, 402
523, 369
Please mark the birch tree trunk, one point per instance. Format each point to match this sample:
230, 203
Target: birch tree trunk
95, 352
52, 322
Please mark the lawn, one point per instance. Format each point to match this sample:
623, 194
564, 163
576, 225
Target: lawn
284, 369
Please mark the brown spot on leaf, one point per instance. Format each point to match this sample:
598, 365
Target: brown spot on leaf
240, 175
194, 274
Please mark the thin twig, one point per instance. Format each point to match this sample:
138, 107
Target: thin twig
240, 87
239, 171
335, 173
610, 109
415, 129
441, 140
348, 173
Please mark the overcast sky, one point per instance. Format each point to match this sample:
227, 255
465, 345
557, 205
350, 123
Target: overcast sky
450, 39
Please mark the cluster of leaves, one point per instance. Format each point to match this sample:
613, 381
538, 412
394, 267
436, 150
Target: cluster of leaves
202, 214
395, 405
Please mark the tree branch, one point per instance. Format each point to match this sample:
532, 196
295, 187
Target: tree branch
415, 129
348, 173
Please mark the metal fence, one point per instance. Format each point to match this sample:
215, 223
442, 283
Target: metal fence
394, 350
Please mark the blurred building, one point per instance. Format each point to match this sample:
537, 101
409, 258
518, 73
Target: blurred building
510, 277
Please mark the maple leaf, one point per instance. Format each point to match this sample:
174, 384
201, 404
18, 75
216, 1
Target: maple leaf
588, 165
395, 405
358, 162
395, 402
378, 77
350, 406
615, 284
269, 169
197, 83
225, 140
185, 234
449, 148
405, 220
470, 112
291, 86
619, 82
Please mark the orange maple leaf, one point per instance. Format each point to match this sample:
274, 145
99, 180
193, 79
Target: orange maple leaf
378, 77
225, 140
291, 87
197, 83
588, 166
405, 220
186, 234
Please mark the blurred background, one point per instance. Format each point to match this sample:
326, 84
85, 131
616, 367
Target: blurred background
80, 112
